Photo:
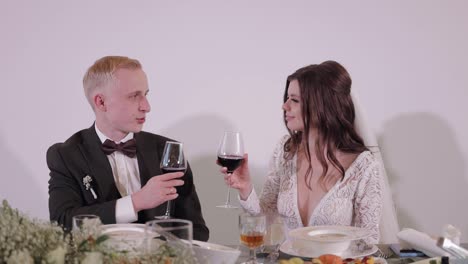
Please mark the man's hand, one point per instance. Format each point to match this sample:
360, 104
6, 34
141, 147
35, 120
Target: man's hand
157, 190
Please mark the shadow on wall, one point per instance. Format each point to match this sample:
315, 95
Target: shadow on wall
426, 172
18, 185
201, 134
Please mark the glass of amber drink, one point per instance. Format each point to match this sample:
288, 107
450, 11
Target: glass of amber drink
252, 233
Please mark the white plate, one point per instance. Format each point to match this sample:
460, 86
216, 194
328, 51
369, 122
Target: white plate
351, 252
128, 237
213, 253
123, 229
330, 233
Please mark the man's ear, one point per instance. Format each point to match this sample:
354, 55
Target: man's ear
99, 104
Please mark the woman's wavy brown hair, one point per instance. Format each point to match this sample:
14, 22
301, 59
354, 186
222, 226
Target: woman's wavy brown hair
327, 106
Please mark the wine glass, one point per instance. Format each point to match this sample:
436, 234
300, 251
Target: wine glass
173, 160
277, 233
85, 225
85, 221
230, 155
252, 233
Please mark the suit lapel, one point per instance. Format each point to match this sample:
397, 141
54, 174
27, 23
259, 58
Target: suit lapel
148, 157
99, 165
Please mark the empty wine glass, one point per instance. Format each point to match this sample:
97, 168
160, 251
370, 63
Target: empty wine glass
230, 155
252, 233
173, 160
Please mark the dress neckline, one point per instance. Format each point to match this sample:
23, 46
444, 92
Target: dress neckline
351, 167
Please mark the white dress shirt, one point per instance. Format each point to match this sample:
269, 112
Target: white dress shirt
127, 179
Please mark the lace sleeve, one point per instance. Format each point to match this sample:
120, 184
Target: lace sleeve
368, 203
269, 197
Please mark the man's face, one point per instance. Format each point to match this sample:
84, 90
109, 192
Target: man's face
125, 103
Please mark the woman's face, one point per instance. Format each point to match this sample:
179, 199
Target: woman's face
292, 108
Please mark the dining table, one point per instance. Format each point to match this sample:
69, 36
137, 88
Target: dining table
384, 252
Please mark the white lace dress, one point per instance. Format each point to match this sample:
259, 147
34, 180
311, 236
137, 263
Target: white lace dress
354, 201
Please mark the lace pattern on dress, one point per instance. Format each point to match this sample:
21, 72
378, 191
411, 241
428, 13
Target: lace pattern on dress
356, 200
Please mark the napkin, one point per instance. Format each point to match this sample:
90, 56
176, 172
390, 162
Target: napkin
422, 242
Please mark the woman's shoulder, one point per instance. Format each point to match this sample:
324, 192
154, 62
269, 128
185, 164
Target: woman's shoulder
278, 152
279, 148
366, 164
365, 157
283, 139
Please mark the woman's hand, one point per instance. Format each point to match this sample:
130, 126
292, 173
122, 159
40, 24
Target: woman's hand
240, 178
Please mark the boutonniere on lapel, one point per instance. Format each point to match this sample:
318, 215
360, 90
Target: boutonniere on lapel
87, 183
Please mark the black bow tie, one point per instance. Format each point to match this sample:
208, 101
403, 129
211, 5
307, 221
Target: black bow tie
128, 148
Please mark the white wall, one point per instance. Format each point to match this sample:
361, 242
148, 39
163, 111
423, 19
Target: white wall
213, 65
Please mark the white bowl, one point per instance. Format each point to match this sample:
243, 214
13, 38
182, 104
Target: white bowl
209, 253
319, 240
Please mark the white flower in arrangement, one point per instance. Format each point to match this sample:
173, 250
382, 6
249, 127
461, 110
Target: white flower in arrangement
22, 239
20, 257
28, 241
93, 258
56, 256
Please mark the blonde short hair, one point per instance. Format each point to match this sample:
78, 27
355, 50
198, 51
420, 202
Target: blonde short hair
101, 73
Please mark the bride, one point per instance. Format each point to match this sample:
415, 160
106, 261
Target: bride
321, 173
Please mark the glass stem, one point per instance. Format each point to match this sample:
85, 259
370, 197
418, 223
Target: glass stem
228, 197
253, 256
168, 209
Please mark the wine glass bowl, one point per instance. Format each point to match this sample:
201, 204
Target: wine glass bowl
173, 160
252, 239
230, 155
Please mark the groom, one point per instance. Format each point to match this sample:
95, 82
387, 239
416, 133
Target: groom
112, 168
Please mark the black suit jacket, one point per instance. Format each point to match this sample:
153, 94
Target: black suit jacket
81, 155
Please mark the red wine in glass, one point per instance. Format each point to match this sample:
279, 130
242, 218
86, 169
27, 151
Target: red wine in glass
169, 170
231, 162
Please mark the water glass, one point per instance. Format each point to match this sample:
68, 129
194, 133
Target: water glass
169, 235
85, 226
277, 231
85, 221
